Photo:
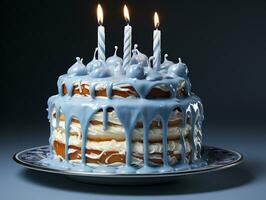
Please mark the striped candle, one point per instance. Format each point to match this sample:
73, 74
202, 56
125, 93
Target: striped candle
127, 41
127, 46
101, 34
101, 43
156, 44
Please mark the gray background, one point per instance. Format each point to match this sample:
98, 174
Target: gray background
223, 44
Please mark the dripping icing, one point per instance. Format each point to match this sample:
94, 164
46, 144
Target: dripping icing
83, 108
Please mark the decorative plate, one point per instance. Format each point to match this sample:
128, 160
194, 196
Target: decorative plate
216, 158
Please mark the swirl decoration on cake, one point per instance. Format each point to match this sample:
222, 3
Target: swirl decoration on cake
143, 100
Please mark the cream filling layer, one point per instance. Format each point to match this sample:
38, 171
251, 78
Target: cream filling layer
119, 146
118, 132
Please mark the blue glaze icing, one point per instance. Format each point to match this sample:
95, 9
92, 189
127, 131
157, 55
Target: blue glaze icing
135, 71
92, 90
129, 124
101, 72
114, 60
179, 69
105, 119
77, 69
50, 113
117, 70
94, 65
138, 57
104, 169
164, 120
169, 76
166, 64
90, 65
129, 111
80, 167
154, 76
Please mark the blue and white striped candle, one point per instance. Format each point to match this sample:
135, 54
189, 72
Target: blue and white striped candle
101, 34
127, 41
156, 43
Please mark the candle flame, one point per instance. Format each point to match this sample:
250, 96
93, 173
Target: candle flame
126, 13
100, 14
156, 20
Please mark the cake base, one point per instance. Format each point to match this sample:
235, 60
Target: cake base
217, 159
112, 157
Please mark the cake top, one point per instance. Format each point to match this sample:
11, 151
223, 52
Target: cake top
140, 74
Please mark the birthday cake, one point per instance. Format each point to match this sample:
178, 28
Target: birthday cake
130, 115
136, 119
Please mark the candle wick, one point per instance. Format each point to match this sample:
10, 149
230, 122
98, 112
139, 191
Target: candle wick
179, 59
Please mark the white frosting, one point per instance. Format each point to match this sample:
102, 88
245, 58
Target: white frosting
100, 86
128, 97
122, 87
195, 107
135, 160
119, 146
117, 131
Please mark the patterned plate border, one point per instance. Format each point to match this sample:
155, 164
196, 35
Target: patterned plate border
217, 159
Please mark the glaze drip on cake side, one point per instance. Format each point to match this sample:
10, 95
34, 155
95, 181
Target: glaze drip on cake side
82, 95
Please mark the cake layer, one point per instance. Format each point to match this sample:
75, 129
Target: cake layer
115, 145
175, 119
123, 90
117, 132
96, 155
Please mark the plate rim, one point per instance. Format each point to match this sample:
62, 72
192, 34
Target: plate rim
127, 175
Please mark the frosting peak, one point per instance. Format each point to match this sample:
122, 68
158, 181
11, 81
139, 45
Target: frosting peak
114, 60
89, 66
100, 70
179, 69
138, 57
78, 68
166, 64
135, 71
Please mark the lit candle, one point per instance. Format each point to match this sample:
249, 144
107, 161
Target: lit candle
156, 43
101, 34
127, 40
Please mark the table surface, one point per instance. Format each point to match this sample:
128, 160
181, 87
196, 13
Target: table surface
245, 181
